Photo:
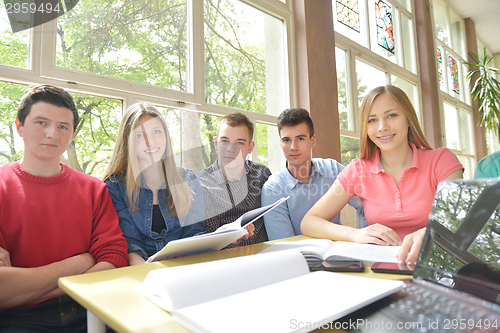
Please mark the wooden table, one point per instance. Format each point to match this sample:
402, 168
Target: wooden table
110, 298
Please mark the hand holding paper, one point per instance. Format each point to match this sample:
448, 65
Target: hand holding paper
225, 235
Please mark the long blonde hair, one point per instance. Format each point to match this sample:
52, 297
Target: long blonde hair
124, 163
415, 134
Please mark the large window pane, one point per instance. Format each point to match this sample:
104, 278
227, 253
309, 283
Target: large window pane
408, 44
345, 117
456, 34
349, 149
451, 127
141, 41
492, 141
262, 144
91, 149
11, 145
469, 166
350, 20
368, 77
192, 135
268, 148
410, 89
208, 128
14, 47
440, 21
244, 58
466, 132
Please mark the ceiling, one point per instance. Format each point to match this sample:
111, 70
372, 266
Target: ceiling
486, 17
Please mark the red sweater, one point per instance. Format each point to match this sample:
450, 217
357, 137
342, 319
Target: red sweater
48, 219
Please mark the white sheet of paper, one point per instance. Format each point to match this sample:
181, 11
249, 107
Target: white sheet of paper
320, 246
365, 252
272, 292
292, 305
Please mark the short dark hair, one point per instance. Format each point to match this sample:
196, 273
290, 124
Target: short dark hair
294, 117
236, 119
48, 94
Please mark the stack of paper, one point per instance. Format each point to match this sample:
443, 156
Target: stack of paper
271, 292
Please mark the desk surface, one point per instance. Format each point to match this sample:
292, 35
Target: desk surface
110, 295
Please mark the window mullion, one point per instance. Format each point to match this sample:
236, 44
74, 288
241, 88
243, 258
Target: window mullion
197, 50
352, 89
35, 50
48, 48
368, 25
290, 69
399, 37
448, 25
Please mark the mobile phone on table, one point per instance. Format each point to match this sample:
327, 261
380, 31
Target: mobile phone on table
391, 268
340, 266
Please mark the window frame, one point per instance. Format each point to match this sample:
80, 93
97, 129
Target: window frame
463, 102
42, 70
356, 51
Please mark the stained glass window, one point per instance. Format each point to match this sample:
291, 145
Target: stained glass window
385, 36
439, 56
453, 74
348, 13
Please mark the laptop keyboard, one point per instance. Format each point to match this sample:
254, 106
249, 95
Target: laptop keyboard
424, 311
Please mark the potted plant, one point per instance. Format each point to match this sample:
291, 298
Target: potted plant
486, 90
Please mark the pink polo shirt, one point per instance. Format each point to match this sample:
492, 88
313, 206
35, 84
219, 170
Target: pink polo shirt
406, 208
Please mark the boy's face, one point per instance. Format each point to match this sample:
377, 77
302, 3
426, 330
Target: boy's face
47, 132
233, 145
296, 144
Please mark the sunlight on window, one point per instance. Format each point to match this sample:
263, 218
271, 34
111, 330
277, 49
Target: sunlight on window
15, 47
268, 148
368, 78
244, 52
139, 41
346, 121
451, 127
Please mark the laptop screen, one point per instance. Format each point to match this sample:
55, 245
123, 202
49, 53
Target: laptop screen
461, 247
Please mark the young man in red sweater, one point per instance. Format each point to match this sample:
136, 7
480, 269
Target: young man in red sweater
54, 221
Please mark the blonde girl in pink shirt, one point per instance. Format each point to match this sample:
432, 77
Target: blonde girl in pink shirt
395, 177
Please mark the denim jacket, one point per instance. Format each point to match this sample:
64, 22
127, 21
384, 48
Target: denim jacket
136, 226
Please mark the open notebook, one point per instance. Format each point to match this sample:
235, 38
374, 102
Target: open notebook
216, 240
317, 250
272, 292
456, 282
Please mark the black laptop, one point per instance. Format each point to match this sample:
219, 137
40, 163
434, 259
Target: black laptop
456, 281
